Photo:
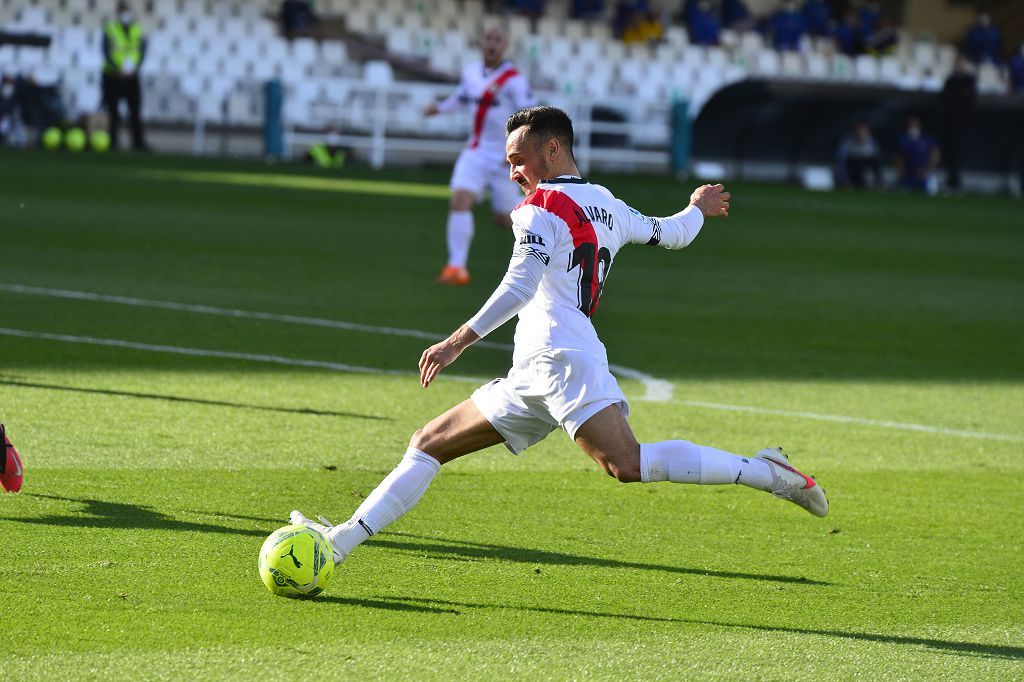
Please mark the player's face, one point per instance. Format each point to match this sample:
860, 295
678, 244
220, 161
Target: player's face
527, 163
493, 44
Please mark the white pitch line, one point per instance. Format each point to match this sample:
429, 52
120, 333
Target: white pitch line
657, 390
863, 421
207, 353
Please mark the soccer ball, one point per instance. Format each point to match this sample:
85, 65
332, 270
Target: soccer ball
296, 561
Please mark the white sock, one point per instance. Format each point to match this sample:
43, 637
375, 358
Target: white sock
460, 236
681, 461
396, 494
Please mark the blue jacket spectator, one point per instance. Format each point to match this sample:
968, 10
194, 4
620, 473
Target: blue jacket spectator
984, 41
818, 16
787, 27
917, 159
689, 10
736, 15
870, 15
704, 26
848, 35
587, 9
1016, 69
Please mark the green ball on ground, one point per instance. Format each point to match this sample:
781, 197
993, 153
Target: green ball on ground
75, 140
99, 140
52, 138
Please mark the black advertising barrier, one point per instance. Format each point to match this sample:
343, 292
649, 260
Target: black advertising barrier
794, 124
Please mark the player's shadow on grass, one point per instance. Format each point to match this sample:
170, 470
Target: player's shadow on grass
385, 603
946, 646
192, 401
463, 550
104, 514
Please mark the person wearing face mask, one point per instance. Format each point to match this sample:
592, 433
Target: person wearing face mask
917, 159
124, 48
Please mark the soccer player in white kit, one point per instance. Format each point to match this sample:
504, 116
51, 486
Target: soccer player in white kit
568, 233
494, 88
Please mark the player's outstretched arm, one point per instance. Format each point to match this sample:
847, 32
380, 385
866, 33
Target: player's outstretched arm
442, 354
712, 200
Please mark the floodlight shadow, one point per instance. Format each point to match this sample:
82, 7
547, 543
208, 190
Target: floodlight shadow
945, 646
194, 401
473, 550
385, 604
105, 514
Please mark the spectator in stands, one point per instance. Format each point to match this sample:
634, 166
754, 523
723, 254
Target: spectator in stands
533, 9
882, 40
984, 42
736, 16
643, 23
626, 12
587, 9
11, 131
818, 16
870, 15
958, 95
704, 26
787, 27
849, 35
124, 48
857, 154
297, 18
917, 159
1016, 72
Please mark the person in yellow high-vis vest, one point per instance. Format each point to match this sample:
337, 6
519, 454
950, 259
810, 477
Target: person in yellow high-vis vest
124, 48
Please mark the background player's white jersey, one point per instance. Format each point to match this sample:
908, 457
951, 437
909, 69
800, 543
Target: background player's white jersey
567, 236
494, 95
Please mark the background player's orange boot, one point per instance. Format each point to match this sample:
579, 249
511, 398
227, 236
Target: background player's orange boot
453, 275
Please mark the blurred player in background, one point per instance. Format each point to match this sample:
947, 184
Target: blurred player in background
568, 233
494, 88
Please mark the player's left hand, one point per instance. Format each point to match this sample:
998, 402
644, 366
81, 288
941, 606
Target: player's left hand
712, 200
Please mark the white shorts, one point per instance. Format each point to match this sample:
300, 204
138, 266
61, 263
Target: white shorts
551, 390
476, 171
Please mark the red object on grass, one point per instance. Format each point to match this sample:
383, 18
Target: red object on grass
11, 472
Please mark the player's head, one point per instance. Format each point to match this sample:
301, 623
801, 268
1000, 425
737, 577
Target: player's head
539, 146
493, 44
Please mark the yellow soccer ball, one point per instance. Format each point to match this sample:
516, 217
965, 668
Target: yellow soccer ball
296, 561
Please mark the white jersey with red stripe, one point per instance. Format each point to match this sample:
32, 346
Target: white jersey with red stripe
568, 234
494, 94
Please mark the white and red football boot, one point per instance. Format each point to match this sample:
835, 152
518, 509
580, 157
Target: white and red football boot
795, 486
11, 473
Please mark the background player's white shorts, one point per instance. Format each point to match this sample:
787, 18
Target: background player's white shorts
476, 171
550, 390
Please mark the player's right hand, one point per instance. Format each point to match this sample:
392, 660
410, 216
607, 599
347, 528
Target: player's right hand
712, 200
430, 110
436, 358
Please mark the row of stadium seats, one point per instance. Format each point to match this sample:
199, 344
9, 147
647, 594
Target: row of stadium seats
211, 57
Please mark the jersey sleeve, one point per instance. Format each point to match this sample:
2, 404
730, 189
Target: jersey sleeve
672, 232
455, 101
534, 235
519, 90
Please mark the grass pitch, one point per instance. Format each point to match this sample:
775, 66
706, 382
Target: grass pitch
877, 336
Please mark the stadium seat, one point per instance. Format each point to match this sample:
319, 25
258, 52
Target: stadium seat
378, 73
866, 68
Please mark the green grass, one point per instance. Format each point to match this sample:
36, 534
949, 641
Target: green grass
152, 478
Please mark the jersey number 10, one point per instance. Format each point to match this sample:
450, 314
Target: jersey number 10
594, 265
